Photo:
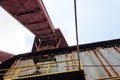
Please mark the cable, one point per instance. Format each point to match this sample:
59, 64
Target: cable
76, 27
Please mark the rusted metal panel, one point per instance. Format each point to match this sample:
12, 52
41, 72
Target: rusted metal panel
62, 66
101, 63
113, 78
97, 64
89, 61
43, 66
91, 65
113, 57
71, 62
5, 56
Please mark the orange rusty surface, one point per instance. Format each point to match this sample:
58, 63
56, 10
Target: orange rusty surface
97, 64
5, 56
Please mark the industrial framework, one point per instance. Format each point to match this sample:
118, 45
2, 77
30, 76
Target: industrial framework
51, 57
100, 61
33, 15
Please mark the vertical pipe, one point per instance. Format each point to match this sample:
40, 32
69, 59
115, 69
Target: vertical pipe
76, 28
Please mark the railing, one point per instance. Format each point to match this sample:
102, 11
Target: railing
45, 66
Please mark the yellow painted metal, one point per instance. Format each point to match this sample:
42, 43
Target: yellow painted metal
16, 73
7, 79
38, 65
46, 74
47, 70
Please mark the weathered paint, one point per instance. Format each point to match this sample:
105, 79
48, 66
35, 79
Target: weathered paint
43, 66
101, 63
98, 63
5, 56
23, 71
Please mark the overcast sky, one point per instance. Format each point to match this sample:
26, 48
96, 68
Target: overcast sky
14, 38
98, 20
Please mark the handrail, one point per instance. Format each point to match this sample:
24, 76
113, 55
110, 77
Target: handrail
38, 65
49, 66
44, 74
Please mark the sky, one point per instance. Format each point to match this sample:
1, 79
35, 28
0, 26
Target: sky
14, 38
98, 20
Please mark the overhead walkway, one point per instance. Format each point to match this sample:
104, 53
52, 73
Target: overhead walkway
33, 15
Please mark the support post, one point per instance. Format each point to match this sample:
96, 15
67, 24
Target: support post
76, 28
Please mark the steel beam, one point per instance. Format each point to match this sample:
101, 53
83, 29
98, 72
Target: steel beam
29, 13
33, 23
42, 6
23, 6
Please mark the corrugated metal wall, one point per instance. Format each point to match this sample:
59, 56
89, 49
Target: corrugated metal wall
98, 63
23, 71
67, 65
43, 67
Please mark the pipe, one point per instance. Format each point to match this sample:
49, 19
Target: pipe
76, 27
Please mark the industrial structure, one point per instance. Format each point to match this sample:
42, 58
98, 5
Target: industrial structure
5, 56
51, 58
